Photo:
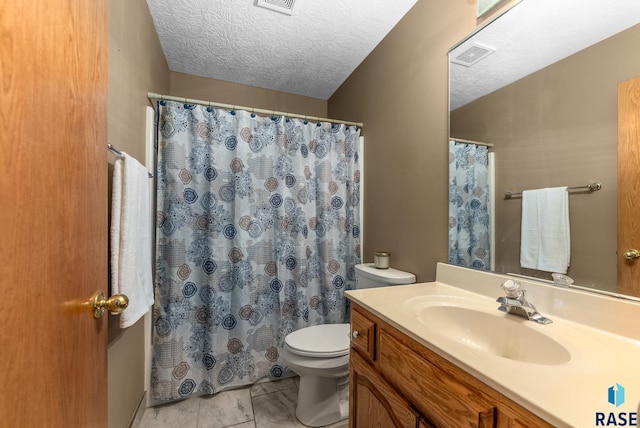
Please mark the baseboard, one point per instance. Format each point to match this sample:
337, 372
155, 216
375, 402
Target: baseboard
137, 417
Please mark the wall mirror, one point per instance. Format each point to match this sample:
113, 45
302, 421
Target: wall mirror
483, 7
540, 83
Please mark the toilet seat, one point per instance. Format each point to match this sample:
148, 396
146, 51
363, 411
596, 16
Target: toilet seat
320, 341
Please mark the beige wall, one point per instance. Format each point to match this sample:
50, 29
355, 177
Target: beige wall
136, 66
558, 127
202, 88
400, 93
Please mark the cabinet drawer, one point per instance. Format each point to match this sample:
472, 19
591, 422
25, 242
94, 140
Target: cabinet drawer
433, 387
363, 332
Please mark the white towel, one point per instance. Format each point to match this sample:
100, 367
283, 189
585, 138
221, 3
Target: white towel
131, 262
545, 236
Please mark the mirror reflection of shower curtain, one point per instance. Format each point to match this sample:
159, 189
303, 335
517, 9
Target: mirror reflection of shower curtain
257, 235
469, 206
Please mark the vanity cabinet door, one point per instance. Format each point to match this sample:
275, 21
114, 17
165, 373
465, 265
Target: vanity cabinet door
373, 403
363, 332
435, 388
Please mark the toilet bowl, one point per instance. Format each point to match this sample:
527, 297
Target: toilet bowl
320, 356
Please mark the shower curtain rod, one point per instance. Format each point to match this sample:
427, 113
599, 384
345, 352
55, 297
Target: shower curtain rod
154, 96
477, 143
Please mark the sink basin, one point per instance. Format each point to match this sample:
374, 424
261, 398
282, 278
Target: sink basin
499, 334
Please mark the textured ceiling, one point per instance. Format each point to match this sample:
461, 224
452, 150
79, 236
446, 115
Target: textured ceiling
533, 35
310, 53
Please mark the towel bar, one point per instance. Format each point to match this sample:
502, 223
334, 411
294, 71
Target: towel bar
119, 154
592, 187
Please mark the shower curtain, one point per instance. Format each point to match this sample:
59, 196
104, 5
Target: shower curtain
469, 237
257, 236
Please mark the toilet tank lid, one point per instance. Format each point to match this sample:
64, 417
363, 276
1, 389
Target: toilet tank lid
389, 276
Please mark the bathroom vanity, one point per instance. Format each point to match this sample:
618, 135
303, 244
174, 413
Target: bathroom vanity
440, 355
397, 380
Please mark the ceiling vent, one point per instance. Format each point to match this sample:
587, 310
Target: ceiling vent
283, 6
473, 54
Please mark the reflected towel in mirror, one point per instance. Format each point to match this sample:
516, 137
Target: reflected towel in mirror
545, 233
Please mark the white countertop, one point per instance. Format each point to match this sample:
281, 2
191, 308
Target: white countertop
567, 394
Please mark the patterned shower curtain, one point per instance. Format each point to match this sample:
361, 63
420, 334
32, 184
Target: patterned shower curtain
257, 236
468, 206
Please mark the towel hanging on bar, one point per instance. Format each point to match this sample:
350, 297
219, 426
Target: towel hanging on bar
131, 238
545, 242
591, 187
119, 154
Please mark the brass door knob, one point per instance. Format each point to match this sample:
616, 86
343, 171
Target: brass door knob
116, 303
631, 254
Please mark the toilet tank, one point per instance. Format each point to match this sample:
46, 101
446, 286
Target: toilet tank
368, 276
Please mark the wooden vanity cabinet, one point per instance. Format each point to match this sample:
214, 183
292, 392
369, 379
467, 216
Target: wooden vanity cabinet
397, 382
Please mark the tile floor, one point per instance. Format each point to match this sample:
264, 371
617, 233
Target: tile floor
264, 405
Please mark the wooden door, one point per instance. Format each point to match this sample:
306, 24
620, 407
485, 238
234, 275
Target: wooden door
629, 185
53, 212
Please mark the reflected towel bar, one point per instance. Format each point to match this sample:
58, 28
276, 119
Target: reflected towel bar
119, 154
591, 187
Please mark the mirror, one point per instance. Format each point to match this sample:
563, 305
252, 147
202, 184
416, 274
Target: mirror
540, 83
483, 7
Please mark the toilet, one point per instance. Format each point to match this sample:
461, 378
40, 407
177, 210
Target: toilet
320, 356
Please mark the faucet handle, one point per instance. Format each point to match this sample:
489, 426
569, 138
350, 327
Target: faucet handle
511, 288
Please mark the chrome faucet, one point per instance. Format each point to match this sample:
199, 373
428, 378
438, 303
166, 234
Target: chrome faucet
516, 303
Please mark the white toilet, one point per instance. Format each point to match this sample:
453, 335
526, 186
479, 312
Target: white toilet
320, 356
